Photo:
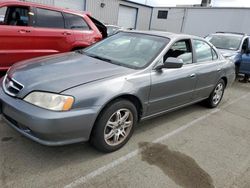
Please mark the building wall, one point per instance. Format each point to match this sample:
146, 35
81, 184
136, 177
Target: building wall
174, 20
46, 2
109, 13
78, 5
202, 21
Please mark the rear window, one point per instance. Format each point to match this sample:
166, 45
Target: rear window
75, 22
49, 19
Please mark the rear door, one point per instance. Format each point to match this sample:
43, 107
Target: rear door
245, 60
15, 35
208, 68
50, 35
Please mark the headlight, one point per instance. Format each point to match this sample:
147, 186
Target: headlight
50, 101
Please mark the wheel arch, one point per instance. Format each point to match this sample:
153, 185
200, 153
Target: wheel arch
130, 97
224, 78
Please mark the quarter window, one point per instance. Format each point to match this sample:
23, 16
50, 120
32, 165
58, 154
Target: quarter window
203, 51
181, 50
75, 22
49, 19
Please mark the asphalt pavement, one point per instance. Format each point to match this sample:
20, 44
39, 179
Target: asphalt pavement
194, 147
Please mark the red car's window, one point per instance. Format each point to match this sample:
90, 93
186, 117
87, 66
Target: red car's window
75, 22
49, 19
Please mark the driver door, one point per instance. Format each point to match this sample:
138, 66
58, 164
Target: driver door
171, 88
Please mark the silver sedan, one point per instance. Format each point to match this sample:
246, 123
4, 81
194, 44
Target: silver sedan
100, 93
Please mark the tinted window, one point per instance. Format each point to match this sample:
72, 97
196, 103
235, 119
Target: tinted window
75, 22
181, 50
244, 46
162, 14
49, 19
203, 51
14, 15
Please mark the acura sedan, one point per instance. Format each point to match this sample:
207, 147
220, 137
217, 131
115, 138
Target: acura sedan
100, 93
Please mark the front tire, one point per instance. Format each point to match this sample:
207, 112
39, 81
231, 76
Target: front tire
216, 95
114, 126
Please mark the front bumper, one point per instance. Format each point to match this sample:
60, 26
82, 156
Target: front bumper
44, 126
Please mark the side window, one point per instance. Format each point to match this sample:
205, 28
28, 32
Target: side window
49, 19
203, 51
14, 15
181, 50
75, 22
215, 55
244, 45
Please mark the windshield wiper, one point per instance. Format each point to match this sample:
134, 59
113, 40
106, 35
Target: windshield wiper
98, 57
107, 60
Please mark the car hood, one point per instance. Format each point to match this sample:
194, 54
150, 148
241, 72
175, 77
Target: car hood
228, 53
58, 73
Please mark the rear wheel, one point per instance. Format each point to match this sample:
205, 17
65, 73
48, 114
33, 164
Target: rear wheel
114, 126
216, 95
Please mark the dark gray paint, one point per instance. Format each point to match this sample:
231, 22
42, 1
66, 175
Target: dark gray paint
95, 83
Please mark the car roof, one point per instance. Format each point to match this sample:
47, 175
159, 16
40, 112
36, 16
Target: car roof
169, 35
22, 3
230, 34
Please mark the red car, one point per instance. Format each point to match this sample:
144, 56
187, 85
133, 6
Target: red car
29, 30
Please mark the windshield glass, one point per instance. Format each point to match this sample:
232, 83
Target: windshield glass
228, 42
131, 50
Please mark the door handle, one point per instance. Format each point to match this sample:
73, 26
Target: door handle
24, 31
192, 75
219, 69
66, 33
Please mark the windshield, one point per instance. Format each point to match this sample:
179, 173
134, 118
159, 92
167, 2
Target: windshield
228, 42
128, 49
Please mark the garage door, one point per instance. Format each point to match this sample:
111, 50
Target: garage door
127, 17
69, 4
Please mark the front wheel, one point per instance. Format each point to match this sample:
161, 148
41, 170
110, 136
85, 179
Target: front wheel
216, 95
114, 126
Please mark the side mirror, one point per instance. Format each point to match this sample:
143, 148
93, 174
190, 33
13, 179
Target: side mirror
171, 63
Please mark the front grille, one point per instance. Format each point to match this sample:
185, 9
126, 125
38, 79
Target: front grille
11, 86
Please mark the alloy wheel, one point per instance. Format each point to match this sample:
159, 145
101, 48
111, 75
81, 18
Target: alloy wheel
118, 127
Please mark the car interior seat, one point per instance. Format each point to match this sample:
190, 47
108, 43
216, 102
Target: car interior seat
16, 19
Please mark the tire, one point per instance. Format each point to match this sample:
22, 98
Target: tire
114, 126
213, 100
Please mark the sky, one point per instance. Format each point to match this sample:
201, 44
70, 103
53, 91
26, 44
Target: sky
220, 3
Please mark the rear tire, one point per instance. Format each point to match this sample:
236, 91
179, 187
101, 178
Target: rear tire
216, 95
114, 126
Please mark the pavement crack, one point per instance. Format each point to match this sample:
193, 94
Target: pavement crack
182, 169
